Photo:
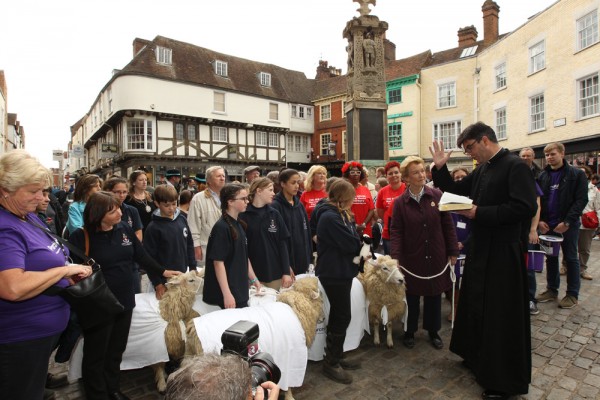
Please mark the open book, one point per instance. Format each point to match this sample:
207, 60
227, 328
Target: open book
451, 202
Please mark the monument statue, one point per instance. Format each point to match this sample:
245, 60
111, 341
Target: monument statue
369, 50
350, 51
364, 6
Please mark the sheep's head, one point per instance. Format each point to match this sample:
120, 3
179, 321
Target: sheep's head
388, 268
191, 281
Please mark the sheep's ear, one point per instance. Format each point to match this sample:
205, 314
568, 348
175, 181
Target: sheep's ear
314, 294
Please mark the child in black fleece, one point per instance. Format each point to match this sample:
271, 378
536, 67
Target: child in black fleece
167, 238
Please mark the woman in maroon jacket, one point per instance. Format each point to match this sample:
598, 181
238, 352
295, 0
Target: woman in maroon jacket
423, 240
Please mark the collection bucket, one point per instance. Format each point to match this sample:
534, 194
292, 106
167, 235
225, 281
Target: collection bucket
550, 244
535, 260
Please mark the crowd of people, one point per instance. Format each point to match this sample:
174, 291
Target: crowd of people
266, 230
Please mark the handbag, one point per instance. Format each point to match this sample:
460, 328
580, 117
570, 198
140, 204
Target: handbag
90, 298
590, 220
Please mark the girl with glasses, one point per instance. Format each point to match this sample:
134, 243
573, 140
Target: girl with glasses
228, 270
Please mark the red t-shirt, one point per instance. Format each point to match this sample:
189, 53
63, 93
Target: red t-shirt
310, 199
385, 199
363, 203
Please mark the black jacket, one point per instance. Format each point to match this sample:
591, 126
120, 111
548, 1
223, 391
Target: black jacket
296, 220
115, 251
337, 244
268, 239
169, 242
572, 194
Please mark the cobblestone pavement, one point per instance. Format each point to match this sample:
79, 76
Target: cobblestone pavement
566, 360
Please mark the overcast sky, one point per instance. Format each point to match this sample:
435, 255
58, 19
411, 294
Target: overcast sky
57, 55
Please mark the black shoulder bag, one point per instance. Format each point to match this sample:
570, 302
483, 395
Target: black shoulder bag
90, 298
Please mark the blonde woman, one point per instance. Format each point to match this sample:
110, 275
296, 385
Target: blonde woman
423, 240
32, 261
315, 188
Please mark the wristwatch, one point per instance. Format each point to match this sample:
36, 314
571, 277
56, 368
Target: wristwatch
566, 224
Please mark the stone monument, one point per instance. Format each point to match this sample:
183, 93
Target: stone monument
366, 107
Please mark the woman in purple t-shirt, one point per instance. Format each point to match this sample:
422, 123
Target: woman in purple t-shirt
32, 261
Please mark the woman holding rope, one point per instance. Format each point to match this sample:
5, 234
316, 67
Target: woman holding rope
423, 240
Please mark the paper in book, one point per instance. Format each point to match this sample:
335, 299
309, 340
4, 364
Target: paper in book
453, 202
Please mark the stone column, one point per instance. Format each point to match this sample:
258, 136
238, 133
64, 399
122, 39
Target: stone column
366, 108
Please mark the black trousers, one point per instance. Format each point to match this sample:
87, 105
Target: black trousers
340, 313
103, 349
432, 313
23, 368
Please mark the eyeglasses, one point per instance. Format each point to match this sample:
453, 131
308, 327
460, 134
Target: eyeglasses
468, 148
242, 198
354, 172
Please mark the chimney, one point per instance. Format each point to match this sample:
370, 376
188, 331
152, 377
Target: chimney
490, 21
389, 50
324, 71
138, 45
467, 36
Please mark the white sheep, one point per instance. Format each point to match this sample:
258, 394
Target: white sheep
287, 327
176, 308
385, 291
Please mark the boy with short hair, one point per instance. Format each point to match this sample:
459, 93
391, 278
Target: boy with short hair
167, 238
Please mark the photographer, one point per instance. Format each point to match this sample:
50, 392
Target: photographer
212, 376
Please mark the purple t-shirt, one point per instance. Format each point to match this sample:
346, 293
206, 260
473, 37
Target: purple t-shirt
553, 204
27, 247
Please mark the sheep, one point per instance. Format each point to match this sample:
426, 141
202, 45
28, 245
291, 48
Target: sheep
294, 316
175, 306
384, 287
306, 303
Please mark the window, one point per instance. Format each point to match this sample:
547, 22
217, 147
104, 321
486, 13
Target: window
395, 95
395, 136
219, 102
536, 113
325, 139
447, 132
587, 30
447, 95
468, 52
219, 134
326, 112
179, 131
537, 57
265, 79
110, 108
221, 68
273, 139
501, 76
588, 96
501, 123
191, 132
274, 111
163, 55
139, 134
261, 138
297, 143
302, 112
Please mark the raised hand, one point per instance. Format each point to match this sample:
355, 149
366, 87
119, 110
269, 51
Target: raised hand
440, 157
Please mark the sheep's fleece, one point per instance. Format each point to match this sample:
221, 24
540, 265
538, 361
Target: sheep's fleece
146, 342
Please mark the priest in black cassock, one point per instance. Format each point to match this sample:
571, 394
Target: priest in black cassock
492, 330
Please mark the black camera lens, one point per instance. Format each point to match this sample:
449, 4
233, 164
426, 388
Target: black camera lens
263, 369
